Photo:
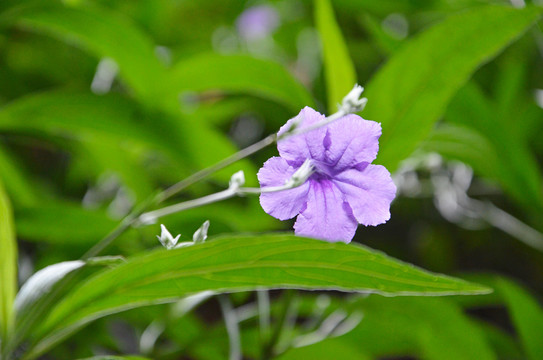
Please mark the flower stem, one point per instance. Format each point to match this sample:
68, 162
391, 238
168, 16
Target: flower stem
202, 174
268, 350
232, 327
263, 299
134, 217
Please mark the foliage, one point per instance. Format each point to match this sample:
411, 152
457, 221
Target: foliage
104, 104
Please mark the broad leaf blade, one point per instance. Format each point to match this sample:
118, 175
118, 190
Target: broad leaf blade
240, 74
517, 168
8, 264
238, 263
111, 357
410, 93
421, 327
105, 34
46, 287
62, 222
338, 68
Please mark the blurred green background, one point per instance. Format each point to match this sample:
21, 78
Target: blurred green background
102, 103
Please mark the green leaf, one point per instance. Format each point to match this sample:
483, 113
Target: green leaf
527, 315
240, 74
111, 357
47, 286
338, 68
105, 34
65, 223
428, 328
97, 155
8, 265
57, 112
238, 263
410, 93
467, 145
516, 168
117, 119
17, 182
525, 312
500, 340
329, 349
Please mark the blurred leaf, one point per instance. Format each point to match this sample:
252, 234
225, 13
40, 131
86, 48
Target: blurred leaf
82, 113
410, 93
118, 119
428, 328
466, 145
527, 315
240, 74
110, 35
386, 42
106, 34
525, 312
338, 67
63, 223
501, 341
17, 182
241, 263
385, 7
47, 286
516, 170
122, 161
8, 265
329, 349
111, 357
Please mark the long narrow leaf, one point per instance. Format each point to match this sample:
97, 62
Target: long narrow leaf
410, 93
338, 68
8, 265
527, 315
105, 34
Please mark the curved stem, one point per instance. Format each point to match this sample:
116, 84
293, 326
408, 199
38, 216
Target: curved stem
133, 217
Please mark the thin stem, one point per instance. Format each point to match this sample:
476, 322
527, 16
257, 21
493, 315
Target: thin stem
327, 120
109, 238
263, 299
202, 174
132, 218
268, 351
232, 327
270, 139
151, 216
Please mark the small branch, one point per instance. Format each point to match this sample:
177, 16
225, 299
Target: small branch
351, 103
232, 327
268, 351
202, 174
263, 299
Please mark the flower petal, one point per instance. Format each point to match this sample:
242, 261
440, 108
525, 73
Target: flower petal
369, 190
327, 216
351, 140
297, 148
281, 204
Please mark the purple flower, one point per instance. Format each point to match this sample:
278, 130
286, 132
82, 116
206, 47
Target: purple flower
345, 189
257, 22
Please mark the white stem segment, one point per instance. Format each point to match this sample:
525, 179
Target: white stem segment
235, 189
351, 103
232, 327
